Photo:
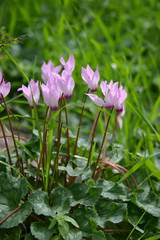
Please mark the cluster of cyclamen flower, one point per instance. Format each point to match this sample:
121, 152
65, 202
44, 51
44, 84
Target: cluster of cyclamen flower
56, 85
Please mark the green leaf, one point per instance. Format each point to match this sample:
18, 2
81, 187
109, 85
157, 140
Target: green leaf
74, 235
11, 186
149, 202
110, 211
57, 237
2, 167
40, 231
63, 228
82, 216
18, 217
113, 190
39, 201
157, 237
53, 223
6, 164
60, 198
72, 172
97, 234
79, 190
84, 194
71, 220
11, 192
29, 237
134, 213
12, 234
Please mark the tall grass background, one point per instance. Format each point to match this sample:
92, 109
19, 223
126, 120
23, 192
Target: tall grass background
121, 37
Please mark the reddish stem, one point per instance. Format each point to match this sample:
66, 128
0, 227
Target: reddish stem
104, 137
130, 174
67, 131
11, 128
15, 136
115, 166
58, 132
93, 126
9, 215
80, 121
105, 143
94, 130
41, 159
115, 230
115, 124
7, 148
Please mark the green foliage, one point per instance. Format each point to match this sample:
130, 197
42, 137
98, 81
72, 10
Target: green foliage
40, 231
12, 190
148, 201
11, 234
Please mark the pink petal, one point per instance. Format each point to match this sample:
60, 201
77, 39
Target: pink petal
62, 61
98, 101
58, 68
5, 88
104, 87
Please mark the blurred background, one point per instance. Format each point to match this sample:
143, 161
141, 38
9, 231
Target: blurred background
121, 37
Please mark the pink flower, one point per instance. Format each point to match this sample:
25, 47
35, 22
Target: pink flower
47, 69
120, 97
90, 77
113, 97
69, 65
28, 94
109, 91
119, 120
51, 93
66, 84
4, 87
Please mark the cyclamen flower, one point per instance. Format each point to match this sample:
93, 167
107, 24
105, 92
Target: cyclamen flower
47, 69
51, 93
69, 65
113, 97
91, 78
109, 91
28, 94
66, 84
4, 87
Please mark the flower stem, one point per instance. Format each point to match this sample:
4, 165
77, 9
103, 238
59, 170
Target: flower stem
9, 215
41, 159
33, 119
15, 136
116, 167
105, 143
36, 114
104, 137
14, 142
94, 130
58, 134
130, 175
80, 120
115, 124
93, 126
67, 130
7, 148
